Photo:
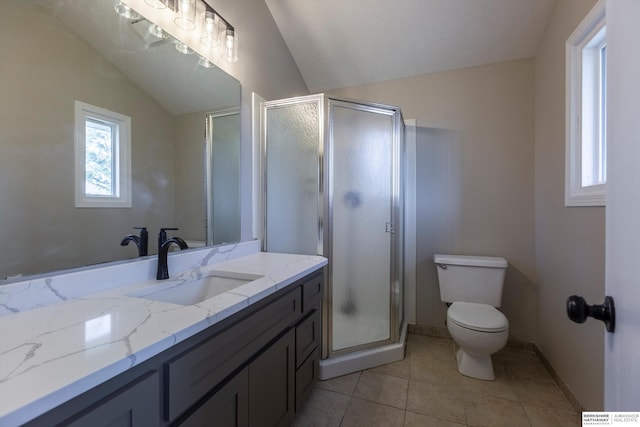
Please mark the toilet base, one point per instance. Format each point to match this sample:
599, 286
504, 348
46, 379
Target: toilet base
479, 367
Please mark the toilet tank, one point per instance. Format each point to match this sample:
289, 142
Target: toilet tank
471, 278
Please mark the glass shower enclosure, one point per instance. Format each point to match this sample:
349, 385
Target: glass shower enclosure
332, 186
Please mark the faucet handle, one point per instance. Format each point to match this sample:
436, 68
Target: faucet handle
163, 229
140, 228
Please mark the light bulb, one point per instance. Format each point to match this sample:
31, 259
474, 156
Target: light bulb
186, 14
230, 45
210, 26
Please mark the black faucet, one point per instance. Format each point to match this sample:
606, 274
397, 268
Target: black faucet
162, 236
142, 241
163, 251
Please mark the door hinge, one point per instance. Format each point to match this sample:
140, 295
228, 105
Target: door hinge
389, 227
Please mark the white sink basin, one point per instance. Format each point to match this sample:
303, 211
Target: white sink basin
195, 291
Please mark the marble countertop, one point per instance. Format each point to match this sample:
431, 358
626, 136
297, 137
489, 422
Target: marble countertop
51, 354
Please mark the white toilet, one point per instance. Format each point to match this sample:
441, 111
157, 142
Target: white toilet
473, 285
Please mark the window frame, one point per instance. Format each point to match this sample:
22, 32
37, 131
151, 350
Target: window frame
122, 157
577, 194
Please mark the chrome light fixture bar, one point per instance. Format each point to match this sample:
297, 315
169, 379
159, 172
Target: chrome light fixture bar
214, 31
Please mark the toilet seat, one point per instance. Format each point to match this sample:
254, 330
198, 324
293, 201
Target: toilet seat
477, 317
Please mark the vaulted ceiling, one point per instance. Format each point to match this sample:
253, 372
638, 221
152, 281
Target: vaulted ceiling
341, 43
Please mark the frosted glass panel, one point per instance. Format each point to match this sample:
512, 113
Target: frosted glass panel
292, 150
362, 202
225, 177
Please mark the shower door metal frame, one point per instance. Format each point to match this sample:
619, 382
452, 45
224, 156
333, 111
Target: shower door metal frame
325, 205
395, 279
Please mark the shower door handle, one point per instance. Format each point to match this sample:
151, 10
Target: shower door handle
389, 227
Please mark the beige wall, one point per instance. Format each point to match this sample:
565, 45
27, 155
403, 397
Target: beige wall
41, 229
475, 176
569, 241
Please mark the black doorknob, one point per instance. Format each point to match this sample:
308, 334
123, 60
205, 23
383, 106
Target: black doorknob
578, 310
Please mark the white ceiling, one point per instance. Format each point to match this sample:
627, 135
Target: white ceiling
341, 43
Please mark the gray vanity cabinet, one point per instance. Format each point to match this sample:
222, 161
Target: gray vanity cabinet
138, 404
260, 395
254, 368
192, 375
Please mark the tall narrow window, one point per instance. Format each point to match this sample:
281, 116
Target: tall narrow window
586, 152
103, 157
100, 167
593, 132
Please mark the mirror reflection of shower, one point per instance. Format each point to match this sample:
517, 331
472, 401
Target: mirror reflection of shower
222, 176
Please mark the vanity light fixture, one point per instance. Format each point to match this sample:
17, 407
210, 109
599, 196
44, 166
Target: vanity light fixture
225, 38
214, 31
125, 11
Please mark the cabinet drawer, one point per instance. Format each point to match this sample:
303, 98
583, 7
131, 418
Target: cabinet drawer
134, 405
312, 293
307, 337
194, 373
306, 377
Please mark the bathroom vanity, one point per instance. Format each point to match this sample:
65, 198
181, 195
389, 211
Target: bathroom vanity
247, 356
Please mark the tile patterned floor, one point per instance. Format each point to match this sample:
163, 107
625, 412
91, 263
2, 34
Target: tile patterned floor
425, 389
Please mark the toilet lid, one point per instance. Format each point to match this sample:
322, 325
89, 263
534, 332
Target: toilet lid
479, 317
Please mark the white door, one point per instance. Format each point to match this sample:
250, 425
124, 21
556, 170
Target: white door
622, 348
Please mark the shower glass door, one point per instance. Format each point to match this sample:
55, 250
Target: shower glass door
362, 221
292, 144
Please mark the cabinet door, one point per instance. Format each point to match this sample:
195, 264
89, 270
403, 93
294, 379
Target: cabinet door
228, 407
271, 384
136, 405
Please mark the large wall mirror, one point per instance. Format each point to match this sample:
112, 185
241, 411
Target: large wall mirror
53, 53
